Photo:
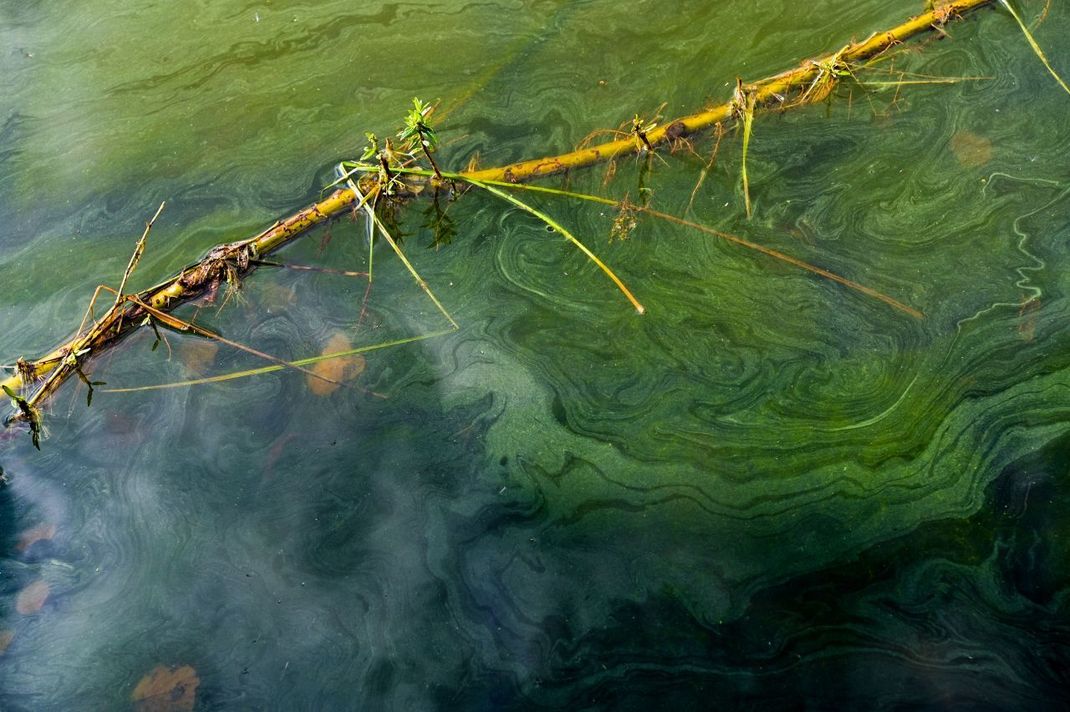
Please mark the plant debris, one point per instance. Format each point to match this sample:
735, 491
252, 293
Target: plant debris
167, 689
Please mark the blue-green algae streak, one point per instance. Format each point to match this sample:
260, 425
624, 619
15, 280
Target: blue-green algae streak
768, 492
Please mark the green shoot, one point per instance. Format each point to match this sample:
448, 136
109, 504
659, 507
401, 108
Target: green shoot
418, 135
640, 128
371, 150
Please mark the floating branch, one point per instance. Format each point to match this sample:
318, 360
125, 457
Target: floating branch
232, 262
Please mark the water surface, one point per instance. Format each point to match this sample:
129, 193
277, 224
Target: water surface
769, 488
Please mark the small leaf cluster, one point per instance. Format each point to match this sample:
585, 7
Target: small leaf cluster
416, 139
417, 134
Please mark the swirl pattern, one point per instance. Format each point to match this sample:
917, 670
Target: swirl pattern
769, 491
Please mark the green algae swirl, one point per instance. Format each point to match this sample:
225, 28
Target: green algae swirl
768, 492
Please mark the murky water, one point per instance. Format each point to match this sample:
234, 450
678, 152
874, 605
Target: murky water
769, 488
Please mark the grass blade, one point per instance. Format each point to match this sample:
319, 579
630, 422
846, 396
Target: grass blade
748, 122
278, 367
346, 175
174, 322
906, 82
735, 239
561, 229
1033, 43
408, 265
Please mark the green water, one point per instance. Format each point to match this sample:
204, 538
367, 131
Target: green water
768, 492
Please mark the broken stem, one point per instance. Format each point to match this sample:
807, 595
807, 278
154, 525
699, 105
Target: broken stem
139, 250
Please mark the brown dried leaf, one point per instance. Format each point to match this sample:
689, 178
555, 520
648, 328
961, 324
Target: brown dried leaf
167, 689
42, 532
1027, 320
971, 150
198, 355
32, 598
6, 636
341, 369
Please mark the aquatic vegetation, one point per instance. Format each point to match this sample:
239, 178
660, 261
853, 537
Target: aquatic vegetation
28, 413
743, 103
769, 93
418, 135
557, 227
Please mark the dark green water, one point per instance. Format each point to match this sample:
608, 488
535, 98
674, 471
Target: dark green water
768, 492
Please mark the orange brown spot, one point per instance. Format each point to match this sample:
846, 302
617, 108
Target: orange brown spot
167, 689
32, 598
42, 532
1027, 320
340, 369
970, 149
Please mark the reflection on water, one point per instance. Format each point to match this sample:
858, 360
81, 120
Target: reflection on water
769, 487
